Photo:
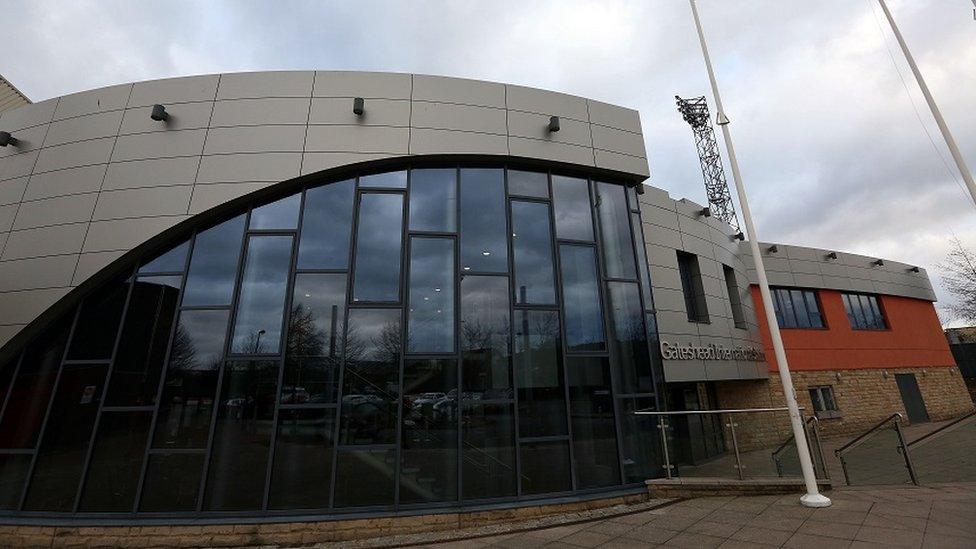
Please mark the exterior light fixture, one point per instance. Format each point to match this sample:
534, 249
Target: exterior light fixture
773, 249
553, 124
159, 113
884, 374
705, 212
358, 106
739, 236
7, 139
913, 269
831, 255
837, 376
878, 262
485, 253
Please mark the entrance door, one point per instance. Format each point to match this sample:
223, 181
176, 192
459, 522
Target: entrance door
912, 398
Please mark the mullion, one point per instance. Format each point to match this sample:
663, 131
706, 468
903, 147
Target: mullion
510, 247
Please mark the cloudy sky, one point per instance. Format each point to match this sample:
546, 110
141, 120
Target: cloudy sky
831, 147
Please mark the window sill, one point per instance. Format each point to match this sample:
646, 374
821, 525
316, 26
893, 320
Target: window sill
829, 414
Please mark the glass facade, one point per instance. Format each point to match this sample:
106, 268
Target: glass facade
424, 337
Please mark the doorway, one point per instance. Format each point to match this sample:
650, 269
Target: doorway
911, 397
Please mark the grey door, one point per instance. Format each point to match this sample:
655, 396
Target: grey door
912, 398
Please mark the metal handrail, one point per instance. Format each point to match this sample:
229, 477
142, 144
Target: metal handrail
815, 421
902, 447
843, 449
928, 436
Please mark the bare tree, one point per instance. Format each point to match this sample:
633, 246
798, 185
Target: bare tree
960, 280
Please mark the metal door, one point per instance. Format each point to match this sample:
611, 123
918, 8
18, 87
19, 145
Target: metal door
912, 398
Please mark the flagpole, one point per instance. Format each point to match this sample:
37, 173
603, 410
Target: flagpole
946, 134
813, 497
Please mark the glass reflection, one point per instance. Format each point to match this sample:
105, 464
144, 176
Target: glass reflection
532, 248
433, 200
538, 368
172, 482
571, 204
371, 377
429, 431
545, 467
581, 298
257, 330
488, 450
173, 261
365, 477
534, 184
14, 469
213, 266
98, 322
281, 214
645, 276
116, 461
302, 473
430, 319
387, 180
484, 246
327, 226
641, 440
314, 345
618, 248
591, 413
378, 243
485, 329
630, 354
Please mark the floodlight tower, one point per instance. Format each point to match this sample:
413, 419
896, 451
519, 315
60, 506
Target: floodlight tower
695, 113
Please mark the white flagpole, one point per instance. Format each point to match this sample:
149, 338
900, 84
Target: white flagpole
946, 134
813, 497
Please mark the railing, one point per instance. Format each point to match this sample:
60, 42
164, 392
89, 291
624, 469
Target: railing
878, 456
737, 442
947, 454
787, 459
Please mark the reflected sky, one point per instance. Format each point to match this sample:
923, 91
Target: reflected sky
433, 200
430, 319
378, 243
199, 341
483, 243
532, 247
327, 226
281, 214
213, 266
618, 250
257, 329
581, 298
391, 180
628, 338
534, 184
173, 261
571, 205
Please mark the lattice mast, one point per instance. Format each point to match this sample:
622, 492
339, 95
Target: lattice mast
695, 113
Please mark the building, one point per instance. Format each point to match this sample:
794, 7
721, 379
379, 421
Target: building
320, 293
962, 341
10, 97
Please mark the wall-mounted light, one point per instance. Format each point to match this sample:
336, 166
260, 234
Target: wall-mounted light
831, 255
837, 376
553, 124
884, 374
7, 139
159, 113
913, 269
739, 236
773, 249
705, 212
878, 262
358, 106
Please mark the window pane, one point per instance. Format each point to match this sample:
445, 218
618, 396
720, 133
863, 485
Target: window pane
392, 180
98, 323
641, 441
828, 398
327, 226
282, 214
257, 329
632, 197
485, 329
191, 380
314, 347
645, 275
778, 307
545, 467
571, 203
57, 471
581, 299
116, 461
488, 451
365, 477
594, 433
789, 314
799, 304
430, 320
303, 459
173, 261
879, 323
538, 365
172, 482
31, 389
144, 342
239, 459
484, 245
813, 309
213, 266
371, 377
532, 245
433, 200
13, 474
816, 400
618, 248
429, 435
378, 243
628, 350
534, 184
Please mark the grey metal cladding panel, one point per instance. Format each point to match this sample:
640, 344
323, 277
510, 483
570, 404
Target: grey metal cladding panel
684, 370
124, 234
665, 277
655, 215
18, 165
804, 266
207, 196
255, 139
266, 84
667, 299
546, 102
12, 190
368, 139
721, 370
621, 162
714, 286
7, 214
151, 173
778, 264
254, 112
59, 239
662, 256
28, 115
656, 197
89, 264
317, 161
8, 331
688, 208
612, 139
621, 118
425, 141
229, 168
43, 272
93, 101
377, 112
664, 237
693, 227
91, 126
55, 211
143, 202
701, 248
536, 126
28, 139
85, 179
23, 307
780, 279
182, 116
458, 90
445, 116
806, 280
380, 85
159, 145
174, 90
676, 323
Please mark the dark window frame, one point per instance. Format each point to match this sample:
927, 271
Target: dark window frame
780, 309
875, 306
824, 401
692, 287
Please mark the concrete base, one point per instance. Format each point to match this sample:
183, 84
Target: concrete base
815, 500
706, 487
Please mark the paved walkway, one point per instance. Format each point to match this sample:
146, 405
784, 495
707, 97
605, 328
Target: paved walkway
942, 516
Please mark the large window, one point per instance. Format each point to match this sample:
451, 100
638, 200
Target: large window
423, 337
797, 308
864, 311
692, 288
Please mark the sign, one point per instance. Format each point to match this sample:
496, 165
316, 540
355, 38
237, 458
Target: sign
677, 351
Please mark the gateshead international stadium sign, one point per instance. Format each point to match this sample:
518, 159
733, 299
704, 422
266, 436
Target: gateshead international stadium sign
677, 351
